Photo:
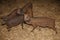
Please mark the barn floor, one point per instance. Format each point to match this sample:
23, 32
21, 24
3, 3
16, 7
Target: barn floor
47, 8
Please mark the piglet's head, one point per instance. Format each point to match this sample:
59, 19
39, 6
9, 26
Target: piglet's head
26, 17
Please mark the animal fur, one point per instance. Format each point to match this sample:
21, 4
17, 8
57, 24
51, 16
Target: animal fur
43, 22
13, 19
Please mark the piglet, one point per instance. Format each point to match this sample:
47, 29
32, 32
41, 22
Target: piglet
43, 22
13, 19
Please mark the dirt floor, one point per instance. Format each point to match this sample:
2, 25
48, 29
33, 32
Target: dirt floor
46, 8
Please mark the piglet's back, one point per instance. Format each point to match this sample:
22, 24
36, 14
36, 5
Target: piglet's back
43, 21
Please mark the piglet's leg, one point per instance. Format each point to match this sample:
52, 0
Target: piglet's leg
8, 28
53, 28
33, 28
40, 28
3, 23
22, 25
